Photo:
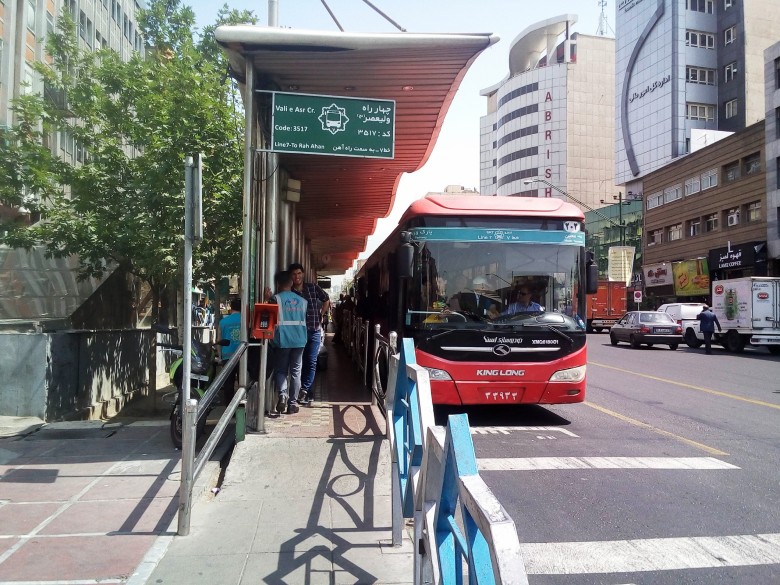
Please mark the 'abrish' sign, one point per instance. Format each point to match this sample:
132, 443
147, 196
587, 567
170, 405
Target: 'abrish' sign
337, 126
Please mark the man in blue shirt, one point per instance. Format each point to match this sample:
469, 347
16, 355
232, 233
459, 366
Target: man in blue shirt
523, 304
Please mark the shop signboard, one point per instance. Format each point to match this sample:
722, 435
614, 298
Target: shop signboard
658, 274
735, 256
332, 125
691, 278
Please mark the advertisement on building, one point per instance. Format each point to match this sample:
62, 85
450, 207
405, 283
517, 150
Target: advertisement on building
658, 274
620, 264
691, 278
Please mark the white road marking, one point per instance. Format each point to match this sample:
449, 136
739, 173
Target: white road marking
652, 554
546, 463
508, 430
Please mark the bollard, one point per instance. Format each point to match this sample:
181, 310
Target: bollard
241, 421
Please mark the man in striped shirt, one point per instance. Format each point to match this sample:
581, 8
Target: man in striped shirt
318, 305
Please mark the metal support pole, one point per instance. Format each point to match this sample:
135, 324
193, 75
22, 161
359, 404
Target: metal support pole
189, 419
261, 387
248, 224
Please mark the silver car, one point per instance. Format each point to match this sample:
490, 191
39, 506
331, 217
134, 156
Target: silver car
648, 328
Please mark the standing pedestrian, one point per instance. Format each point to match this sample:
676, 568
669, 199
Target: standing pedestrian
318, 304
290, 336
708, 321
230, 329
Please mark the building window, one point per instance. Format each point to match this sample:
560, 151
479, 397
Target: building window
700, 111
31, 15
752, 164
694, 227
711, 223
729, 35
675, 232
657, 199
732, 217
777, 73
655, 237
692, 186
730, 71
699, 39
709, 179
727, 4
700, 5
777, 123
754, 211
672, 193
699, 75
731, 172
731, 108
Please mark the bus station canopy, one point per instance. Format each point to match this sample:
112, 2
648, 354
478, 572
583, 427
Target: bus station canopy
342, 197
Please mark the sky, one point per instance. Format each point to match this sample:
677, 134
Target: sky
455, 159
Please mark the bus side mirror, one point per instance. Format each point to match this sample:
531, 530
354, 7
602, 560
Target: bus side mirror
405, 257
591, 279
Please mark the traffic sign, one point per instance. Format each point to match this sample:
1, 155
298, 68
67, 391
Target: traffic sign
333, 125
637, 296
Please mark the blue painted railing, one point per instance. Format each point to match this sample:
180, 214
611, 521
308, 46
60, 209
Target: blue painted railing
460, 528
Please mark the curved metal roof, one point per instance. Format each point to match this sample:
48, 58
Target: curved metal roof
342, 198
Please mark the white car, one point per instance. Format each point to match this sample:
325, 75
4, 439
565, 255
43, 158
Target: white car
685, 315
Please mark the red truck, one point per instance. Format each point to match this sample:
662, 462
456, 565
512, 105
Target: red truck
606, 306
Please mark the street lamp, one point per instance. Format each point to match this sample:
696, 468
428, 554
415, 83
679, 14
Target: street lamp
621, 225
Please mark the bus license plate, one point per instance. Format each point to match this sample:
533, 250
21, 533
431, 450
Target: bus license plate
502, 395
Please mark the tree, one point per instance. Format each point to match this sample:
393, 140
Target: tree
135, 122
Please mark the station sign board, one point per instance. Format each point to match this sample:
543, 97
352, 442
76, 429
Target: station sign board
332, 125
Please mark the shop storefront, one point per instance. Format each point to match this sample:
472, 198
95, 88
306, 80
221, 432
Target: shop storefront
677, 282
738, 260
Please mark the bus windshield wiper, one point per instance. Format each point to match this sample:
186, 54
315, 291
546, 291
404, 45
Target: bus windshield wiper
557, 331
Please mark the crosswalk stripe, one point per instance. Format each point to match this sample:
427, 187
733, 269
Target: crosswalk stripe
548, 463
652, 554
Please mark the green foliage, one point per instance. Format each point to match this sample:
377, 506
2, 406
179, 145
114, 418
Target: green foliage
136, 122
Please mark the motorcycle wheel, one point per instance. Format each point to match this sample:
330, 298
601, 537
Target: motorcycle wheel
177, 433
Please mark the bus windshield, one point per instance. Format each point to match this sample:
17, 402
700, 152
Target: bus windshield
469, 277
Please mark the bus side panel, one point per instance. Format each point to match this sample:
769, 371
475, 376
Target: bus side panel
506, 382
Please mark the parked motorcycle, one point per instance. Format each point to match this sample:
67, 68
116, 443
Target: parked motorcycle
204, 362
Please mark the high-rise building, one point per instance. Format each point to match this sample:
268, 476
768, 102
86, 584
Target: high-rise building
772, 134
24, 26
684, 66
552, 117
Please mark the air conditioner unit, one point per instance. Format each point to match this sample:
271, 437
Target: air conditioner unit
733, 219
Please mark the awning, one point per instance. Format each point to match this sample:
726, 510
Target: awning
342, 198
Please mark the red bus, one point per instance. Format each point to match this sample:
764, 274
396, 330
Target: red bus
450, 277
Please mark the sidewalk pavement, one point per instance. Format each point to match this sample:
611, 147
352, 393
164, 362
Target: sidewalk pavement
306, 502
83, 502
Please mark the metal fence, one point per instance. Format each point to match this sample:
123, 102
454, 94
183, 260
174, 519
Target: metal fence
460, 528
192, 462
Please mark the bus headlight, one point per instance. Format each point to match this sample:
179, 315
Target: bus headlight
438, 375
571, 375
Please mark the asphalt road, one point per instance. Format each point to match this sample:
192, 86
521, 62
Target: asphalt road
668, 474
